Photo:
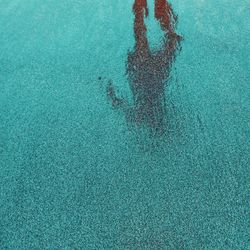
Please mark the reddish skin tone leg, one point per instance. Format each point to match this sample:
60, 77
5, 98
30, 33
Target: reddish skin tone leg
140, 8
165, 15
148, 70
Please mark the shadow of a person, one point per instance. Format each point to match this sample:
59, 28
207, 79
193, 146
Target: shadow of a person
148, 69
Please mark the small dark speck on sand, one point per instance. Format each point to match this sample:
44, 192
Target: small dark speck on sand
99, 78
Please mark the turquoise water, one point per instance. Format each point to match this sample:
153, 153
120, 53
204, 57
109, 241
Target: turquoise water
75, 174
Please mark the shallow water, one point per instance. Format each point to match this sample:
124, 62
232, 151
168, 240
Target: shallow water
76, 174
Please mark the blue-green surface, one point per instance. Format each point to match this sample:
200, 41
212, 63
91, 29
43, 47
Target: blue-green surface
74, 175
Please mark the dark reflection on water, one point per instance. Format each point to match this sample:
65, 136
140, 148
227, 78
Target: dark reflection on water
148, 70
